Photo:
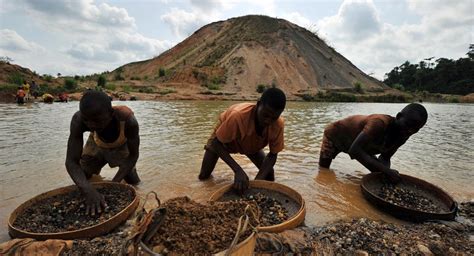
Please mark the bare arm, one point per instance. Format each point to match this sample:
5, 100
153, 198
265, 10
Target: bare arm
267, 165
241, 179
370, 162
133, 143
74, 152
385, 157
94, 200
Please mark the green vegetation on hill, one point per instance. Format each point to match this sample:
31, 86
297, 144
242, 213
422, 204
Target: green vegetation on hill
442, 76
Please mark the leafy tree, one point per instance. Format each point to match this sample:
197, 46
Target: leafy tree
441, 76
101, 81
5, 59
70, 84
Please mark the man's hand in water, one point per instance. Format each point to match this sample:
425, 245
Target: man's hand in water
241, 181
393, 175
95, 202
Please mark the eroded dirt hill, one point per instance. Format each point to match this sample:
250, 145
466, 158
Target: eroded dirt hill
238, 54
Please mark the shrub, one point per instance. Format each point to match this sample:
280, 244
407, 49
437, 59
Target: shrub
126, 88
161, 72
47, 88
15, 78
101, 81
110, 87
398, 87
8, 88
167, 91
213, 86
70, 84
135, 78
261, 88
119, 77
146, 90
340, 97
454, 100
307, 97
48, 78
218, 79
358, 87
5, 59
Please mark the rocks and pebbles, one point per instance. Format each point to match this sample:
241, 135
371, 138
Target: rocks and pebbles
272, 212
197, 228
67, 212
354, 237
408, 198
381, 238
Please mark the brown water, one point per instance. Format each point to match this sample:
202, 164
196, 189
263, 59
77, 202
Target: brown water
33, 142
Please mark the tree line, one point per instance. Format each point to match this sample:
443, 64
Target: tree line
439, 76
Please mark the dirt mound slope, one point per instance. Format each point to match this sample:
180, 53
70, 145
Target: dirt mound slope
238, 54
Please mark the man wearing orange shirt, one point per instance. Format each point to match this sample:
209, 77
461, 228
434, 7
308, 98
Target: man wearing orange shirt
246, 128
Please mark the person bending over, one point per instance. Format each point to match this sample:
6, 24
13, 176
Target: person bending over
364, 137
246, 128
113, 140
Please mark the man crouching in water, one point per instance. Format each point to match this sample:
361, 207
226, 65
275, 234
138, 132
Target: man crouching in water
363, 137
113, 140
246, 128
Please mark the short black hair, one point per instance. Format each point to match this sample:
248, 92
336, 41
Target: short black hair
93, 100
415, 109
274, 98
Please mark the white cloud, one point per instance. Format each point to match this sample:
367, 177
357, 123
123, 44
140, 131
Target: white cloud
356, 20
92, 51
356, 32
11, 41
80, 14
207, 5
298, 19
86, 37
184, 23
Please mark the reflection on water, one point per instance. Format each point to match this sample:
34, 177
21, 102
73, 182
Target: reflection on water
33, 142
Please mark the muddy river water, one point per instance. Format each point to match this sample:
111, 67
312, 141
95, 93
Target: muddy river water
33, 142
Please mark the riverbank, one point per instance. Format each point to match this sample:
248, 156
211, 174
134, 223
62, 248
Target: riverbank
9, 97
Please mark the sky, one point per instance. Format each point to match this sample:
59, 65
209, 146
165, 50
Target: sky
81, 37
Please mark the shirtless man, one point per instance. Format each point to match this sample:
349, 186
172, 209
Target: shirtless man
363, 137
113, 140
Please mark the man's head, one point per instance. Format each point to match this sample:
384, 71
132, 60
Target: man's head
96, 110
411, 119
270, 106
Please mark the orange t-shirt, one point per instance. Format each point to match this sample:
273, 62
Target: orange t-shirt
20, 93
343, 132
236, 130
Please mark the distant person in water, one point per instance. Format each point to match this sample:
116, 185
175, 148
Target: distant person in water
48, 98
26, 88
63, 97
20, 95
113, 140
34, 89
246, 128
364, 137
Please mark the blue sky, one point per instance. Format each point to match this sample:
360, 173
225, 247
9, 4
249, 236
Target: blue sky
87, 36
